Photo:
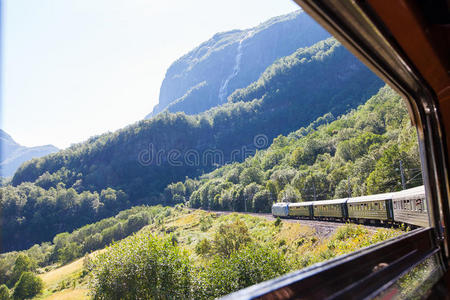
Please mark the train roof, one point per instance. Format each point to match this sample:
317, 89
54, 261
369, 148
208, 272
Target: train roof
334, 201
280, 204
308, 203
418, 190
370, 198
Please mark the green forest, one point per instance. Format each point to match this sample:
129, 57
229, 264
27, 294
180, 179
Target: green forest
356, 154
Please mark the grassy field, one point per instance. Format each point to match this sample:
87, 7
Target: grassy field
66, 282
69, 294
54, 277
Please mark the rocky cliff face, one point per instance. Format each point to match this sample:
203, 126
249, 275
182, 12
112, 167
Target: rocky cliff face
206, 76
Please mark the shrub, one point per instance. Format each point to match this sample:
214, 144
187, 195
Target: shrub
231, 237
349, 231
248, 266
277, 222
28, 286
4, 292
22, 264
203, 247
142, 267
205, 223
69, 252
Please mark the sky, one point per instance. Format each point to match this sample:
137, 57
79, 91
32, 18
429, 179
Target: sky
72, 69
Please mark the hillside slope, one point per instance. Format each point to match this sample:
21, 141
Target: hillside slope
12, 155
359, 153
207, 75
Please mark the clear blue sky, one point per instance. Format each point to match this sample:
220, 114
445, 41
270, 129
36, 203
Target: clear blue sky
76, 68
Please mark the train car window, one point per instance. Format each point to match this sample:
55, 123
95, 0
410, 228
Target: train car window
341, 104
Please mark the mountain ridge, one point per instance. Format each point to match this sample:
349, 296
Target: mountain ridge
12, 154
231, 60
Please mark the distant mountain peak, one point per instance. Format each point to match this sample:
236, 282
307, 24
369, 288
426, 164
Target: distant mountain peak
231, 60
4, 136
12, 154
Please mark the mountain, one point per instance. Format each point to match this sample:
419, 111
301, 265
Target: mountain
12, 155
207, 75
143, 158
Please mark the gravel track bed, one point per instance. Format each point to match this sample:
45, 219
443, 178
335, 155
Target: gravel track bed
323, 228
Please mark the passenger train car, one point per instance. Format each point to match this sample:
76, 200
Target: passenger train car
404, 207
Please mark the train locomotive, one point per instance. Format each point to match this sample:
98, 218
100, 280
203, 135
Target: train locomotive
404, 207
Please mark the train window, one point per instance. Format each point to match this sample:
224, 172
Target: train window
347, 117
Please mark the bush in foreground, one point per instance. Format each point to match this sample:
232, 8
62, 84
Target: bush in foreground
28, 286
142, 267
250, 265
149, 267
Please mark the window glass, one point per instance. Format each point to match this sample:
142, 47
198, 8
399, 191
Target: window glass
174, 140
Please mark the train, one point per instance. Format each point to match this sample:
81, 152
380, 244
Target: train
407, 207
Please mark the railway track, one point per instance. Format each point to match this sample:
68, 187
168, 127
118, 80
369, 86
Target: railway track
323, 228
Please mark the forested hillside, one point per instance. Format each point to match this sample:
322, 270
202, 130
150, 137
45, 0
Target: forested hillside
357, 154
207, 75
139, 161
